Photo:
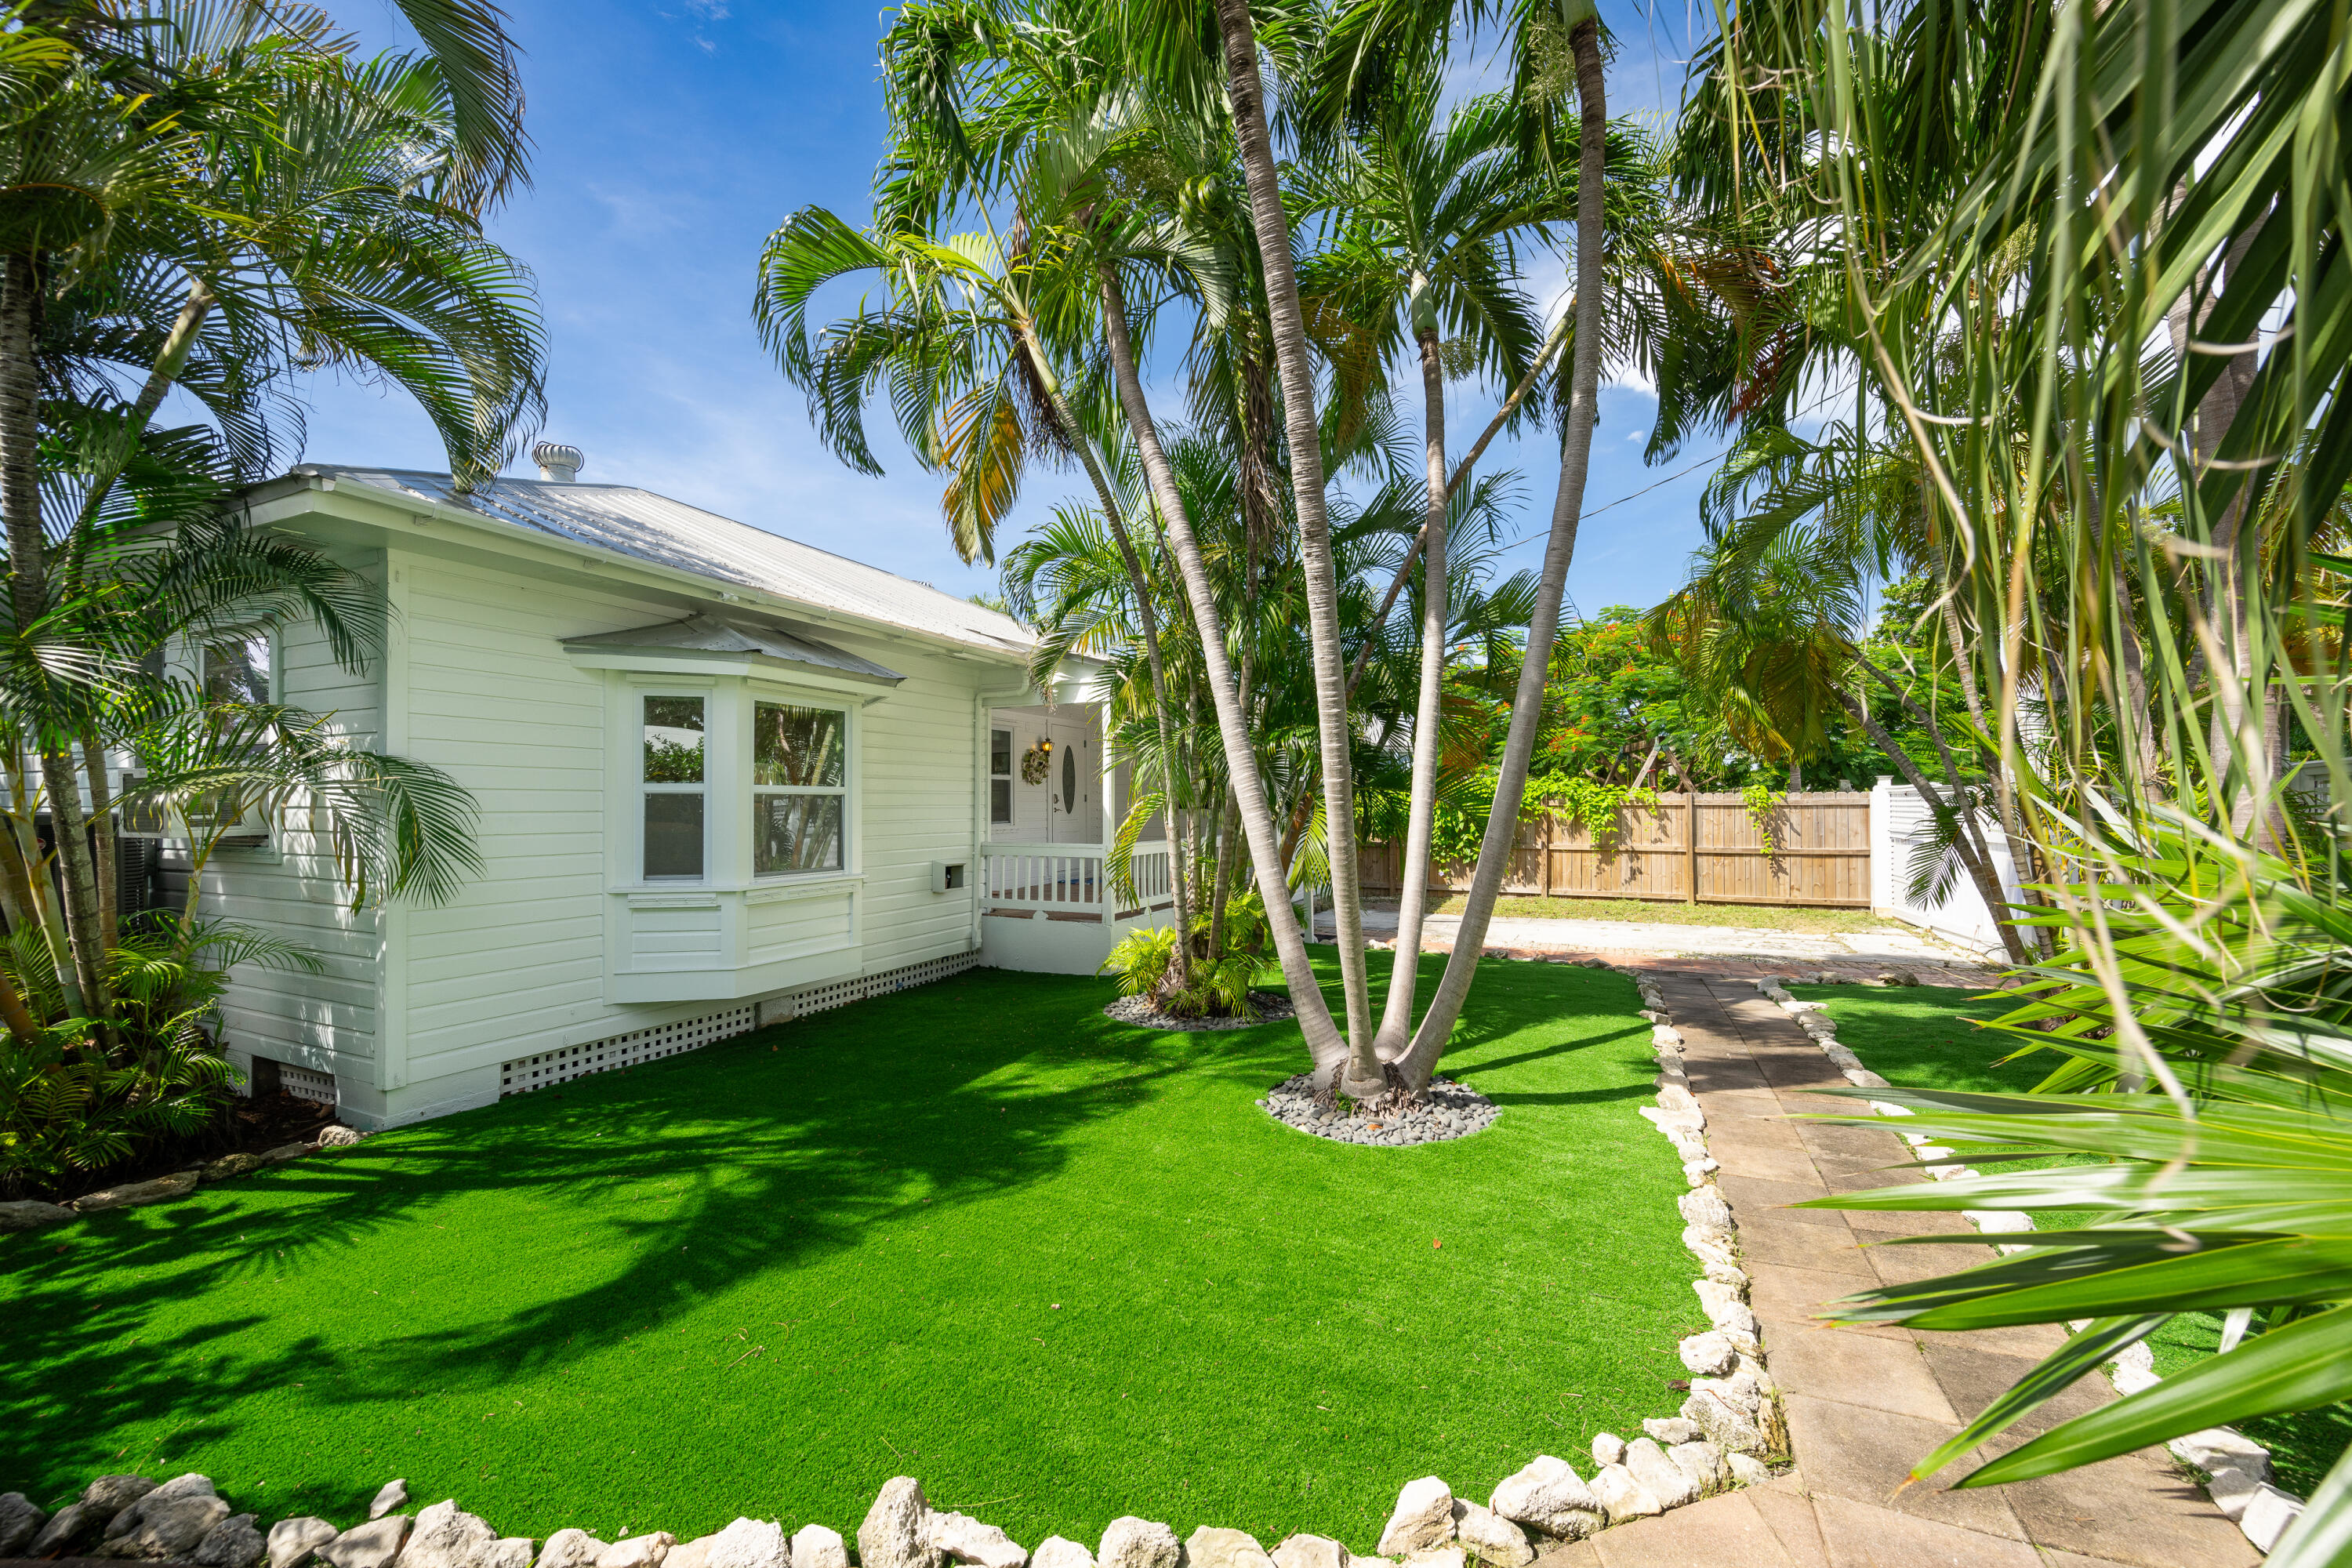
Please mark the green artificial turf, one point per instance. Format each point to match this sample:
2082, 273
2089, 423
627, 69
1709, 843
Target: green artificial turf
1921, 1038
1058, 1268
1924, 1036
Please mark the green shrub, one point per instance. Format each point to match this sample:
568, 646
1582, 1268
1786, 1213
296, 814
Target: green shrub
74, 1101
1144, 959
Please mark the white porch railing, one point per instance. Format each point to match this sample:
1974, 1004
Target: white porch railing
1068, 881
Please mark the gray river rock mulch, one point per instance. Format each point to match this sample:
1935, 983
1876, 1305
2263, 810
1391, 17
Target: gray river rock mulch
1269, 1008
1444, 1110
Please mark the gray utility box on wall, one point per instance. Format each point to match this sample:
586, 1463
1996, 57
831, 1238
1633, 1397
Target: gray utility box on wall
947, 876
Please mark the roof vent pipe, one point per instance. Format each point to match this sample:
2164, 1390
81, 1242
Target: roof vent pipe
558, 463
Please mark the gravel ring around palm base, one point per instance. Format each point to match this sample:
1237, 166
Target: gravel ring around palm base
1267, 1006
1445, 1109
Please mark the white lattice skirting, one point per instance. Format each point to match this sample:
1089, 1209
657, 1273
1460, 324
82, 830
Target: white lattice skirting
841, 993
522, 1076
305, 1084
527, 1073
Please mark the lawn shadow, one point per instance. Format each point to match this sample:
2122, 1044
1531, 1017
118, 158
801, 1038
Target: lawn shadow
756, 1154
759, 1154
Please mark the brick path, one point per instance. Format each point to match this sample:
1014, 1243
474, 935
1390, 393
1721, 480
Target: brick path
1864, 1404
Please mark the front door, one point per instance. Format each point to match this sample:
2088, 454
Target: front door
1074, 783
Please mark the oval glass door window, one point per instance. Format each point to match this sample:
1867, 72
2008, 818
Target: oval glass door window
1070, 779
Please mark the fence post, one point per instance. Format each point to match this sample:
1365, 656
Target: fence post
1543, 847
1690, 845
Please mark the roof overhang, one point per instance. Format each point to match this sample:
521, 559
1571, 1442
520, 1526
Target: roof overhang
731, 645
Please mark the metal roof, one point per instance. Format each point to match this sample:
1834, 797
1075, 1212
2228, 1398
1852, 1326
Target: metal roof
671, 534
730, 636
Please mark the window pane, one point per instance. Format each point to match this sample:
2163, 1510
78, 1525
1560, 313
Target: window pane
239, 671
1000, 800
674, 742
1000, 753
795, 832
796, 745
674, 834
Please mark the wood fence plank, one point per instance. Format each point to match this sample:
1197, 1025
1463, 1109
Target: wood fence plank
1691, 849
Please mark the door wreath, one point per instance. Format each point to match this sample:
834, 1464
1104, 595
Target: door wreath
1033, 763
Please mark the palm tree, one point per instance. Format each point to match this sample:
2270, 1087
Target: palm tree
960, 341
1426, 219
316, 206
1060, 150
1420, 1058
1245, 92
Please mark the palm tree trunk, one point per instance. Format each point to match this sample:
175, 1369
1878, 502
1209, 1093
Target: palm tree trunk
1325, 1046
1429, 1040
20, 504
71, 830
1460, 473
1227, 843
22, 1027
162, 376
22, 864
1421, 817
1182, 964
20, 434
110, 878
1305, 442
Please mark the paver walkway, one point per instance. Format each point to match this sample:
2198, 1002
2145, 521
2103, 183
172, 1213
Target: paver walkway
1863, 1403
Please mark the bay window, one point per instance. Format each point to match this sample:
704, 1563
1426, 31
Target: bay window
799, 788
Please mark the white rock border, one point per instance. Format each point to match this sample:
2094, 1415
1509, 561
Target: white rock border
2236, 1467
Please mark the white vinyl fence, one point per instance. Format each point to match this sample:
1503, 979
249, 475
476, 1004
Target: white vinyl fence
1899, 820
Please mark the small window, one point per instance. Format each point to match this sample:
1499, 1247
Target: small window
673, 788
238, 671
1000, 775
799, 788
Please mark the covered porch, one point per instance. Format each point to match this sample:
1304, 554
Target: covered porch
1054, 803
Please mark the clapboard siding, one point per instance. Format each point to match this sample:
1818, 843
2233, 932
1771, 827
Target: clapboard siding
921, 775
291, 889
798, 929
518, 958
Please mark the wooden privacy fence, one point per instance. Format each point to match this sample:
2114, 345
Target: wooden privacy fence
1820, 857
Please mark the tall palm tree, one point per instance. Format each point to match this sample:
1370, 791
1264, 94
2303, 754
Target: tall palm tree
1419, 1059
1060, 146
961, 345
1426, 217
1246, 94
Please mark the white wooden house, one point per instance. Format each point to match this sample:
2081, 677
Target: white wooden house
724, 778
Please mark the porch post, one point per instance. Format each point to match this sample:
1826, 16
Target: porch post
1104, 796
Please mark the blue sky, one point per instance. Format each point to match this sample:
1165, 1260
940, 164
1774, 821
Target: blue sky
673, 135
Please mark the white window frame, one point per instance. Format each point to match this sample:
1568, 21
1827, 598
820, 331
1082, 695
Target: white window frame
253, 829
709, 700
843, 792
1004, 778
271, 676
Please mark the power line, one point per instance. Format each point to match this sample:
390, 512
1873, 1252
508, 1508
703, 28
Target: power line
1621, 500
